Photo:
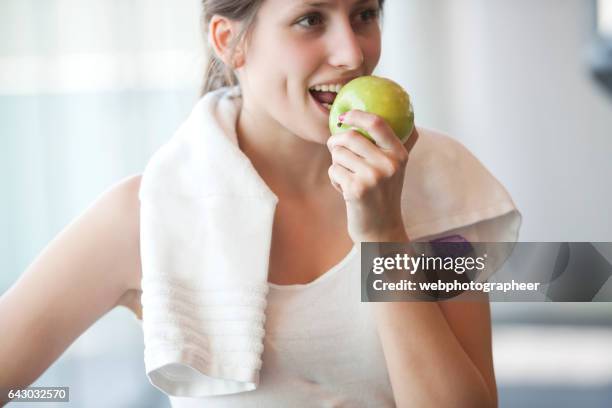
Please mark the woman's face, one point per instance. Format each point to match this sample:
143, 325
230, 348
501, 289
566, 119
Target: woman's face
297, 44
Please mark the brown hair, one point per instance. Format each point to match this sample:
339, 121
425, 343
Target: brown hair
216, 73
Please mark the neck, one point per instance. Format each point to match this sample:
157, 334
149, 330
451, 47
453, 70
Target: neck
290, 165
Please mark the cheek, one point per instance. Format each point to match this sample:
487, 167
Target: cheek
301, 60
283, 61
302, 52
263, 76
371, 50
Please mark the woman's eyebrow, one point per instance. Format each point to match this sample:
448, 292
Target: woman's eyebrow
327, 4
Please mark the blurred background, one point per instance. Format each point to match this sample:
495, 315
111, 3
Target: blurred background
89, 89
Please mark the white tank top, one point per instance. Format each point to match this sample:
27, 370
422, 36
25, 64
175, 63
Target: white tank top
321, 348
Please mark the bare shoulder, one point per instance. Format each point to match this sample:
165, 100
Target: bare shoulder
124, 202
116, 217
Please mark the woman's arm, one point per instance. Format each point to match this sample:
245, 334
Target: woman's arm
438, 354
81, 275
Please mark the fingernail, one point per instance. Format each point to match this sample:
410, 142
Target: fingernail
341, 117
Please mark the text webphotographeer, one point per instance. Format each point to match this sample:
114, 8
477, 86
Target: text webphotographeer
406, 285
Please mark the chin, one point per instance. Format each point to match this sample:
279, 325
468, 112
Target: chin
320, 134
313, 130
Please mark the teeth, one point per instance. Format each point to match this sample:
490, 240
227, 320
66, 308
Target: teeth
327, 88
327, 106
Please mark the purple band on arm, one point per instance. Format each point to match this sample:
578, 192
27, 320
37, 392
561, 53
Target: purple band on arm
451, 245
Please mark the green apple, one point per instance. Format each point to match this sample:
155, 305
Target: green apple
376, 95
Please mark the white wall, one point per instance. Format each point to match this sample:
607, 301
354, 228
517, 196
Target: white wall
76, 46
508, 78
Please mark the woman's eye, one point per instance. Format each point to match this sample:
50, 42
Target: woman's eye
310, 20
315, 19
370, 14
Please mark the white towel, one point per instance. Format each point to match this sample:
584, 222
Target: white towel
206, 229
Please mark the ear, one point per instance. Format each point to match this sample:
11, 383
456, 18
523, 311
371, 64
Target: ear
221, 32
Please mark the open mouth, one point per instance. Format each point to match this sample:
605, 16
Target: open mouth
325, 95
322, 105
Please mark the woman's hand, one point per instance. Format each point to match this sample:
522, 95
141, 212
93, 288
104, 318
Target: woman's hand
370, 176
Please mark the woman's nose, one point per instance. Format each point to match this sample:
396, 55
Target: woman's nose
345, 49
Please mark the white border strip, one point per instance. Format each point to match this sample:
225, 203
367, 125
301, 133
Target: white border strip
100, 72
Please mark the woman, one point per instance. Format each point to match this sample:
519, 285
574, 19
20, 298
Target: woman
333, 351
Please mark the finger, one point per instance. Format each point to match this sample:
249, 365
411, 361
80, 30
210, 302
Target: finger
336, 186
355, 142
352, 162
376, 126
412, 139
340, 177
